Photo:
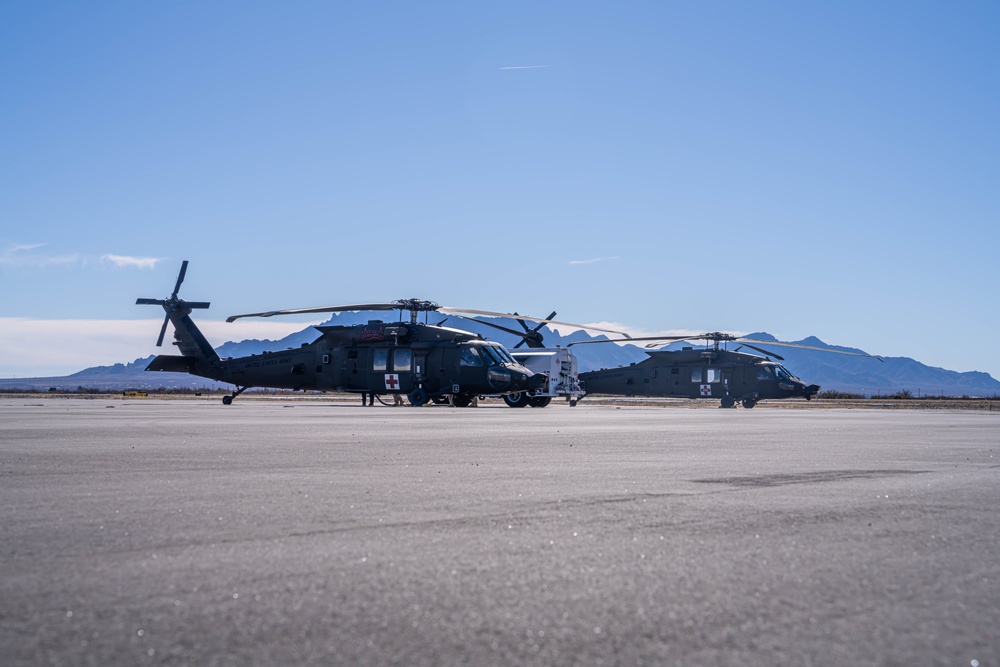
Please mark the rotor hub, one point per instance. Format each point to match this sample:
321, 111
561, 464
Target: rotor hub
416, 305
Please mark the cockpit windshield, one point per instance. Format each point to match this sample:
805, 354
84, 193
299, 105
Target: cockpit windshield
504, 354
783, 373
496, 354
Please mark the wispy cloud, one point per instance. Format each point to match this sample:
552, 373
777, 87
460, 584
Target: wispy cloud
526, 67
32, 256
124, 261
24, 255
595, 260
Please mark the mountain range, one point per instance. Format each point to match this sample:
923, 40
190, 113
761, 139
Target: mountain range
838, 372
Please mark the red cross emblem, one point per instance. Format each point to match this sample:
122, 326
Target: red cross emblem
391, 381
706, 390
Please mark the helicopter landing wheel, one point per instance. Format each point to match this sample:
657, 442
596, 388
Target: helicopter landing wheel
228, 400
728, 402
516, 400
749, 403
539, 401
418, 397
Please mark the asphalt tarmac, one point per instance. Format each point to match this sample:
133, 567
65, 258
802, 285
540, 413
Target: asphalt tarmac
151, 532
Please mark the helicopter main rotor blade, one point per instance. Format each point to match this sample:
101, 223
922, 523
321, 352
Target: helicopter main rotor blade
321, 309
532, 337
546, 321
495, 326
807, 347
764, 352
491, 313
634, 340
719, 337
542, 323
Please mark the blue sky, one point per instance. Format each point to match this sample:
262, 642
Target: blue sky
824, 169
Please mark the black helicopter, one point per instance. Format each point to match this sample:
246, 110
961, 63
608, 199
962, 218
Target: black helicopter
421, 361
713, 372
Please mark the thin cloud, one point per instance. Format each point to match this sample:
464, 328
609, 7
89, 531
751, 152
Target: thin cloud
595, 260
29, 256
124, 261
23, 247
24, 255
526, 67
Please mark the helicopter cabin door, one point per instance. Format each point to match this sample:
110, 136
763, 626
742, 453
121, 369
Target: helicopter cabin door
709, 381
392, 370
472, 367
666, 381
355, 369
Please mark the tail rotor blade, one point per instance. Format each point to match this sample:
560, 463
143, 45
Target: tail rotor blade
180, 277
163, 330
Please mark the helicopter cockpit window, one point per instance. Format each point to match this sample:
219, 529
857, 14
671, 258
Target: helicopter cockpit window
764, 373
491, 354
379, 359
782, 373
504, 354
470, 357
402, 360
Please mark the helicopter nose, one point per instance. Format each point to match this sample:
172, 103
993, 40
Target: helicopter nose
534, 382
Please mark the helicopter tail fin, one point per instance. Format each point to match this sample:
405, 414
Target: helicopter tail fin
172, 363
191, 343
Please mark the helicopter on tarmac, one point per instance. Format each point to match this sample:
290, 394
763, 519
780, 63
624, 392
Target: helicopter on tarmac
713, 372
421, 361
559, 365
